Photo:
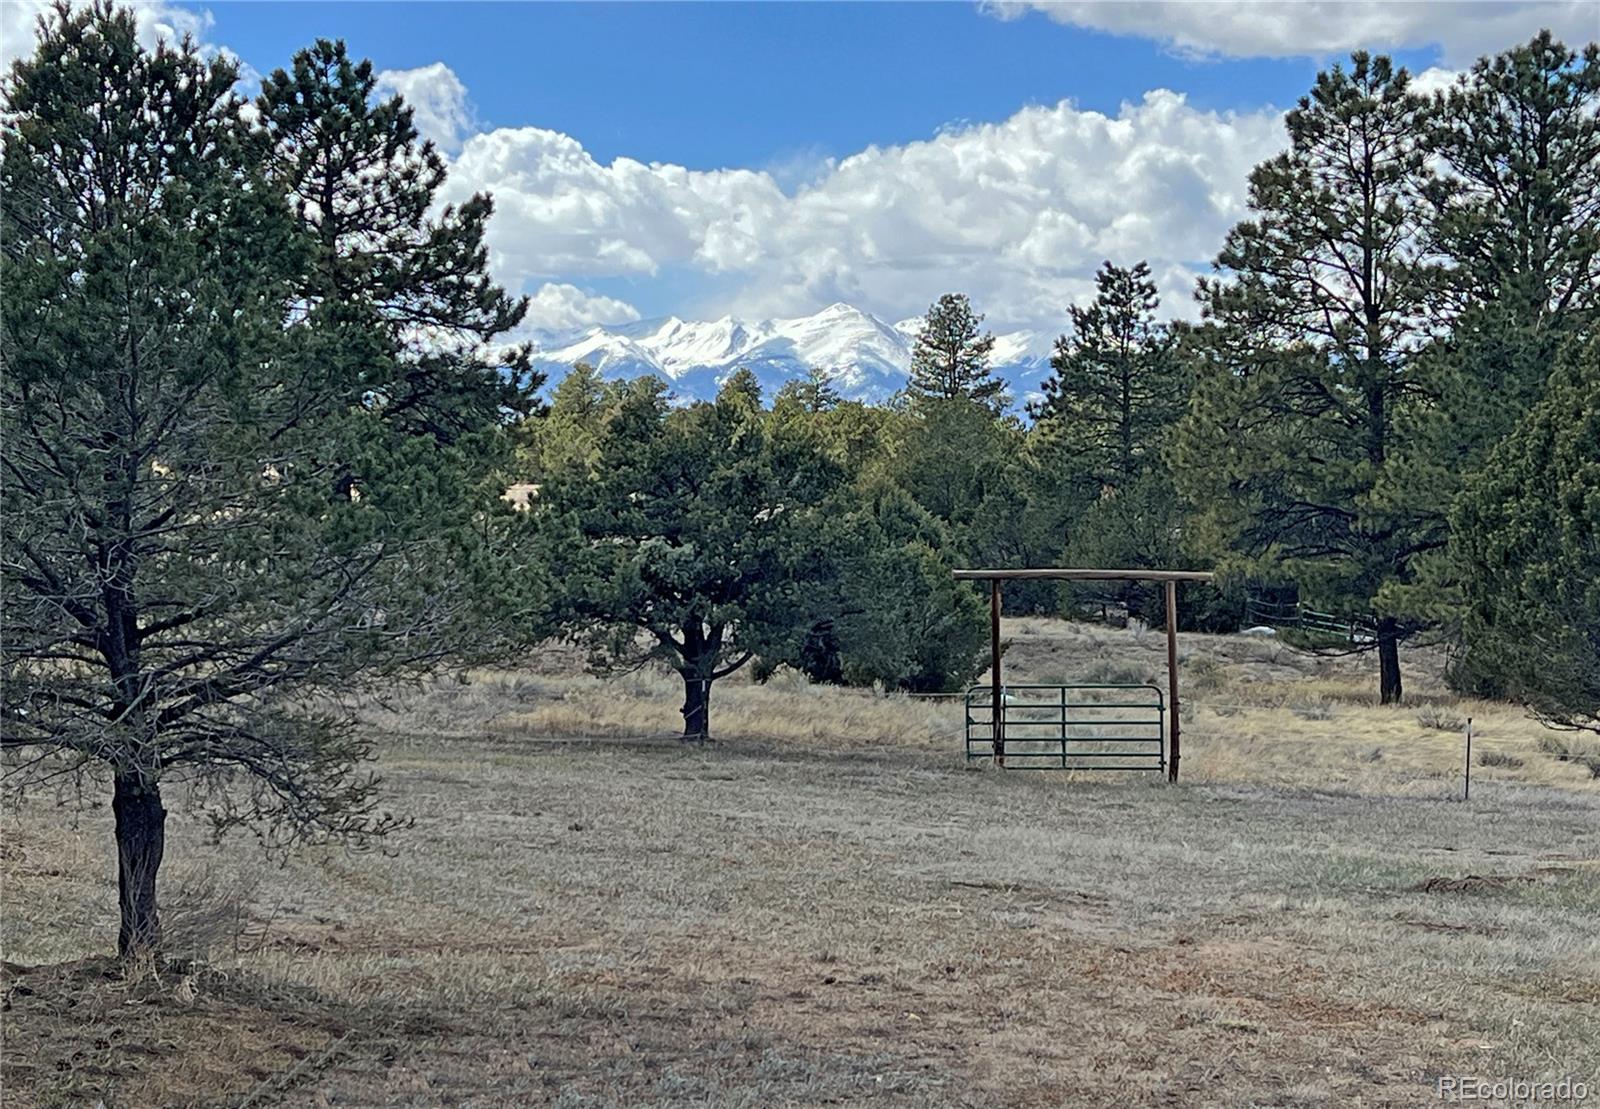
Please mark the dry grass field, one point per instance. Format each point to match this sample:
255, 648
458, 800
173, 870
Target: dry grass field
827, 906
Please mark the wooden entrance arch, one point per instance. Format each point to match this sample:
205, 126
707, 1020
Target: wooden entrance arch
1168, 578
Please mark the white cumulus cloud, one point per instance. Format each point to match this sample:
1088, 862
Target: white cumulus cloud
1018, 214
557, 306
1462, 29
438, 101
560, 213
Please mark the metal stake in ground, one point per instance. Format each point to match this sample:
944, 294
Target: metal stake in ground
1172, 679
1466, 785
997, 708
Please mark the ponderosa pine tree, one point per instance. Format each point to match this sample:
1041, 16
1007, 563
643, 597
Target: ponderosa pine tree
1306, 363
361, 184
1116, 385
950, 359
186, 598
1516, 214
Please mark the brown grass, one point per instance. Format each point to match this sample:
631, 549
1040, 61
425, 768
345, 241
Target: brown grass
827, 907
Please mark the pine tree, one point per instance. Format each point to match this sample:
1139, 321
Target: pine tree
903, 620
362, 185
815, 392
1307, 362
1116, 385
185, 601
1519, 212
1527, 536
1517, 216
950, 359
566, 435
699, 529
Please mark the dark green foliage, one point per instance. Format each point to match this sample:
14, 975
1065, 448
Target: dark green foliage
813, 393
1518, 216
951, 357
695, 538
209, 548
905, 622
977, 475
1527, 537
1306, 365
711, 535
360, 185
1519, 213
1117, 386
565, 437
1108, 410
951, 454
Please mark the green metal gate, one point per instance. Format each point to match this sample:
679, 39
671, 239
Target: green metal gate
1070, 727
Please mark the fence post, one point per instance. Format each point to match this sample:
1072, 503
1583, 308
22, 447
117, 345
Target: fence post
1466, 786
1172, 678
997, 709
1063, 727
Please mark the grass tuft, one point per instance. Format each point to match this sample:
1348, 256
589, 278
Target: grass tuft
1440, 718
1313, 710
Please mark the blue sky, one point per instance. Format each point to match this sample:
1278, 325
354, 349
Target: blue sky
760, 85
769, 159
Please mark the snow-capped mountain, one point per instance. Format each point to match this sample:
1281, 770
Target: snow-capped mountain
867, 357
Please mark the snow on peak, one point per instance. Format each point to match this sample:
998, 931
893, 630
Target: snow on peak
867, 356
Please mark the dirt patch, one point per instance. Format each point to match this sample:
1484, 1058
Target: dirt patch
1444, 927
86, 1031
1470, 883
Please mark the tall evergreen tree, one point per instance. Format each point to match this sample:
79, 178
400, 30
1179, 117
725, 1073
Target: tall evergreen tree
1516, 216
362, 185
1518, 212
815, 393
184, 598
950, 359
1116, 385
566, 435
1307, 360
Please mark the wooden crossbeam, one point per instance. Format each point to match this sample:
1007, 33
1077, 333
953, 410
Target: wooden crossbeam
1064, 574
1170, 578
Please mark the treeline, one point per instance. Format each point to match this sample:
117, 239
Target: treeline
1387, 410
259, 414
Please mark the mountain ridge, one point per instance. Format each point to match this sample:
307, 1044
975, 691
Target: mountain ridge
867, 356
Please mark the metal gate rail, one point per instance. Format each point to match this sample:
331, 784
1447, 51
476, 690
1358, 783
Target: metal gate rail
1070, 727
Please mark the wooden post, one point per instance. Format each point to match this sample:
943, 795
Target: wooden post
997, 708
1172, 680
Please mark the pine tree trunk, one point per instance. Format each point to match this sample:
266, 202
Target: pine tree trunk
141, 841
1389, 689
696, 708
